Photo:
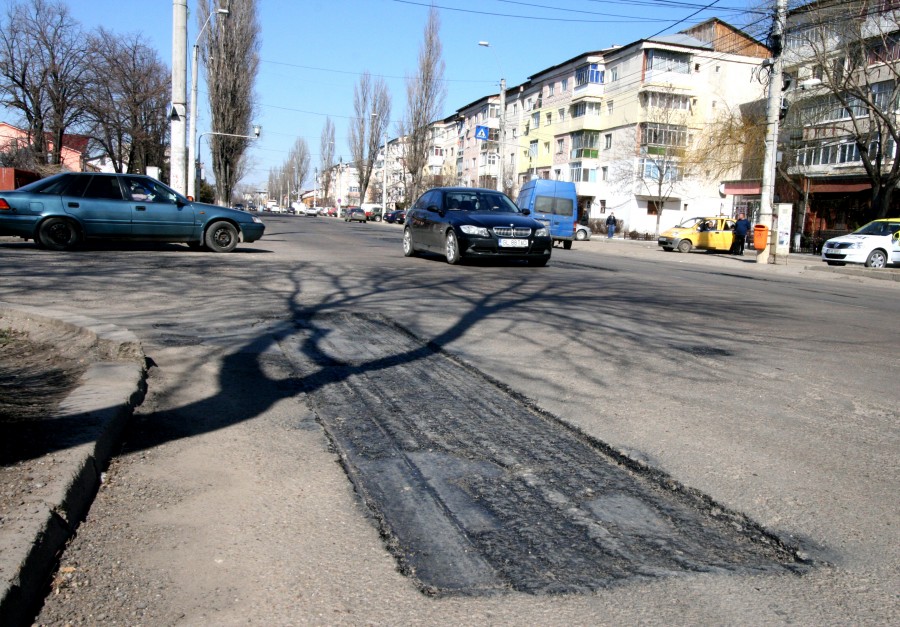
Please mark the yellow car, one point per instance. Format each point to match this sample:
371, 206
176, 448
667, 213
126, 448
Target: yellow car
716, 233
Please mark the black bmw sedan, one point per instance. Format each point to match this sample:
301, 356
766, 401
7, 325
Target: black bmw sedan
468, 222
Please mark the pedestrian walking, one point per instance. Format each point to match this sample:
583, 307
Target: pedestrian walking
741, 228
611, 225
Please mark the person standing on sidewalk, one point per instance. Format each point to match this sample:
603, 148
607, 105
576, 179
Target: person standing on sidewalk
741, 228
610, 225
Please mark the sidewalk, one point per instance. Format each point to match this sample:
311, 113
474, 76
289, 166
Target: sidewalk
49, 487
796, 263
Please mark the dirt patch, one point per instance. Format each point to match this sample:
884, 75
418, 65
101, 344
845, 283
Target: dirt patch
35, 377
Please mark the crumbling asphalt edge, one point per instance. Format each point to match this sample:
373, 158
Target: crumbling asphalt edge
113, 385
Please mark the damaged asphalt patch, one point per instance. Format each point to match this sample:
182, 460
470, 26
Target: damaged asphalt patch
477, 490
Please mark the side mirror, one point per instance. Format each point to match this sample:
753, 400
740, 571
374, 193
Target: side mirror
190, 199
525, 212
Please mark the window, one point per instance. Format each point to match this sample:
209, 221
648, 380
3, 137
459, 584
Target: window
604, 173
580, 174
614, 74
590, 73
660, 169
584, 145
551, 88
602, 205
536, 120
607, 141
548, 119
609, 106
546, 148
560, 145
533, 148
654, 134
884, 96
104, 187
668, 61
580, 109
561, 114
437, 151
494, 111
662, 100
829, 109
654, 207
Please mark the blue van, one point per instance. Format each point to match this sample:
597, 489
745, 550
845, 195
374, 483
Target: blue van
555, 204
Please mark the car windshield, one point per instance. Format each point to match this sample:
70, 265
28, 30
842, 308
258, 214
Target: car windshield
468, 200
878, 228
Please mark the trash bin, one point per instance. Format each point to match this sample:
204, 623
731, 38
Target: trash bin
760, 236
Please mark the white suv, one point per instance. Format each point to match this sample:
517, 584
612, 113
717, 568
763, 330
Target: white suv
876, 245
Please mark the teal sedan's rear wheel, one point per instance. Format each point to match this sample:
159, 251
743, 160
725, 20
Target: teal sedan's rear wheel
58, 234
221, 237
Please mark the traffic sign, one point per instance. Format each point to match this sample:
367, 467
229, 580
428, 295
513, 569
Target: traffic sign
481, 132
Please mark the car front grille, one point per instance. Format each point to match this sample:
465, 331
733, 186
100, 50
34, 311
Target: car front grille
509, 231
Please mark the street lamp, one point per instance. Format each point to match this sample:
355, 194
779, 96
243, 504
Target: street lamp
257, 129
502, 129
192, 158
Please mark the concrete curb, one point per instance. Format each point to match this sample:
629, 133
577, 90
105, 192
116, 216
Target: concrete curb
113, 385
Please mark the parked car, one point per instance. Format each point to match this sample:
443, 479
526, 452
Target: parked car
311, 211
395, 217
714, 233
554, 204
582, 232
373, 211
877, 244
355, 214
62, 211
467, 222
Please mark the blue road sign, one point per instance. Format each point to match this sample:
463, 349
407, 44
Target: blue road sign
481, 132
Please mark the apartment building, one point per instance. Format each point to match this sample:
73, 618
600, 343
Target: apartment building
838, 135
619, 122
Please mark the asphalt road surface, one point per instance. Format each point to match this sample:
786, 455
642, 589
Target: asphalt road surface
336, 434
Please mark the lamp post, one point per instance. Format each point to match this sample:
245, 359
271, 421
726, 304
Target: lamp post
257, 129
193, 156
502, 129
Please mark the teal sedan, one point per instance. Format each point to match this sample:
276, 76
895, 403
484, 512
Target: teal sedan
60, 212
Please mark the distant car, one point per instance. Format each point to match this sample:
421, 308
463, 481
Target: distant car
355, 214
239, 206
311, 211
877, 244
582, 232
62, 211
395, 217
715, 233
468, 222
373, 211
277, 209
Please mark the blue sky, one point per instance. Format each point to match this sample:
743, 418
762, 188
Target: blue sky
313, 51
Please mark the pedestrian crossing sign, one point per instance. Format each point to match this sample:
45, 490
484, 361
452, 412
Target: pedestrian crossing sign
481, 132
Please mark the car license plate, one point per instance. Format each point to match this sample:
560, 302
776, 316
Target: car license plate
513, 243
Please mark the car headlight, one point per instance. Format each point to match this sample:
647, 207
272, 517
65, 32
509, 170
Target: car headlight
478, 231
255, 219
855, 245
543, 232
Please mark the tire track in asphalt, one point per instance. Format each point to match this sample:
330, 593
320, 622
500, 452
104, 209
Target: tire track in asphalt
476, 490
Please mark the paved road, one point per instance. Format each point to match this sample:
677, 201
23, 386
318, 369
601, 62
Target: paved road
757, 391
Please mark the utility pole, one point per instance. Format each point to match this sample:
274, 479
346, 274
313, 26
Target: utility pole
773, 109
178, 111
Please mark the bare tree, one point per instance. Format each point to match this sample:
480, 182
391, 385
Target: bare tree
664, 142
846, 92
231, 57
326, 154
42, 67
372, 107
425, 93
127, 93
